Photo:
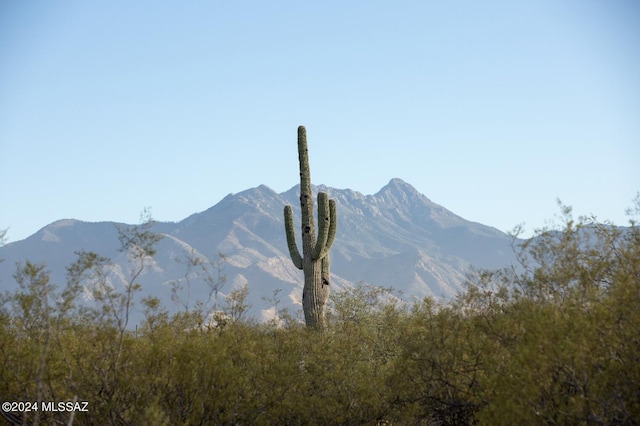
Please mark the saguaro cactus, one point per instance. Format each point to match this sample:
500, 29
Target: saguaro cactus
314, 260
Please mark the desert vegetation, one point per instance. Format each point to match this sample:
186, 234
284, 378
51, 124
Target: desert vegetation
314, 260
552, 341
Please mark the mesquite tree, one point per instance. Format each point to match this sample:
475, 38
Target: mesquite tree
314, 260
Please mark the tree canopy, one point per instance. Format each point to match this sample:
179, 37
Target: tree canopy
553, 340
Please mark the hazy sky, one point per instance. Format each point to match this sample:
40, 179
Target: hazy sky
491, 109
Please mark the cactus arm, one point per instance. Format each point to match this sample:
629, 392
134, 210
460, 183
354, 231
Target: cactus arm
326, 266
333, 226
323, 251
291, 238
323, 226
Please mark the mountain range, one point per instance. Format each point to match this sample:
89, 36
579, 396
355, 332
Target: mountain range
396, 238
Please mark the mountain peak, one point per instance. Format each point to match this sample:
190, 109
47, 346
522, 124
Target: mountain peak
398, 185
397, 181
399, 192
259, 191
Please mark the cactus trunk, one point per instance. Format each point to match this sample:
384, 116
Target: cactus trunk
314, 260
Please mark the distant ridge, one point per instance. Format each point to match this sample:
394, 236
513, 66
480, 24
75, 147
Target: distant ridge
396, 237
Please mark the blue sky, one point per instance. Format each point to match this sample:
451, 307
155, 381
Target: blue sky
492, 109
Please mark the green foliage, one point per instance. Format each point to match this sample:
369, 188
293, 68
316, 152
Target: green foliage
562, 335
555, 342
